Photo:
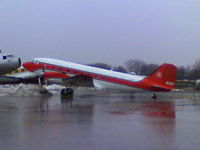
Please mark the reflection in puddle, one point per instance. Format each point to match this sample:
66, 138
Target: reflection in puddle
113, 121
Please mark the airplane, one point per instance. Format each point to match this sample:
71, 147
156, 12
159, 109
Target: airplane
8, 63
71, 75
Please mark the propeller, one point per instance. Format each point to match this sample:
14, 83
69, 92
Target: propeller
40, 74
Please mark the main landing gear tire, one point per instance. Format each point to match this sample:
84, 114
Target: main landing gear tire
67, 93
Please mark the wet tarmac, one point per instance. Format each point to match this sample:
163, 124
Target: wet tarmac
99, 120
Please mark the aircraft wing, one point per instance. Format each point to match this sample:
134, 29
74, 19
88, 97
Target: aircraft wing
79, 80
9, 80
19, 77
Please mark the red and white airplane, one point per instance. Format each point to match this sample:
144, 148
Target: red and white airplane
73, 74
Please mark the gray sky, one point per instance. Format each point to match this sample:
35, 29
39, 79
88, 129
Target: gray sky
110, 31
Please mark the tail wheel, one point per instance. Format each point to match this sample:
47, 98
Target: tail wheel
154, 96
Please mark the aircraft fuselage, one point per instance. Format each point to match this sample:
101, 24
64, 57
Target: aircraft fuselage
58, 69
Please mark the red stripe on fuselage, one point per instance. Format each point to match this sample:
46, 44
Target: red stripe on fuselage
55, 75
61, 72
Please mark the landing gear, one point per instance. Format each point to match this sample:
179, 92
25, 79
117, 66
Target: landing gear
67, 93
154, 96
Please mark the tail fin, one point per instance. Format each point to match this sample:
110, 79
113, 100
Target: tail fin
163, 78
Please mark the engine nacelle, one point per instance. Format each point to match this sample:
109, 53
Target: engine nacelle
197, 84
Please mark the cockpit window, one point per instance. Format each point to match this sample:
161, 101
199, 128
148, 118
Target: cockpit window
8, 56
35, 61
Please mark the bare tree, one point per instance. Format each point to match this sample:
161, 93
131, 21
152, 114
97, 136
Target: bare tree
101, 65
135, 65
149, 68
140, 67
120, 69
194, 73
182, 72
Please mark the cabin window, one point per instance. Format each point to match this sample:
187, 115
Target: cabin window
10, 56
4, 57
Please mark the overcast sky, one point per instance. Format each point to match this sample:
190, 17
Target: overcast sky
110, 31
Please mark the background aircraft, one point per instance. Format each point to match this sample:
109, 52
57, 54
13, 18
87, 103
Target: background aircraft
74, 75
8, 63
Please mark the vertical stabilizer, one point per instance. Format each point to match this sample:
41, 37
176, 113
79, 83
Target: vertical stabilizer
163, 78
